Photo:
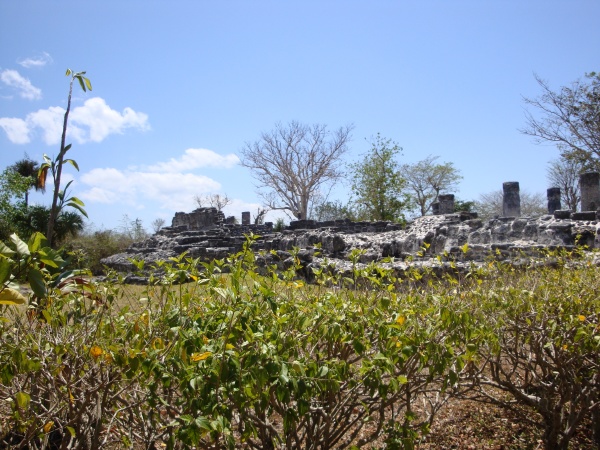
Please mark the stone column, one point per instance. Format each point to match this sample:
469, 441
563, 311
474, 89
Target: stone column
446, 203
435, 208
589, 184
511, 202
246, 218
553, 200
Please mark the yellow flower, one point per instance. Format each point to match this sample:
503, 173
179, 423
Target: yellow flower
48, 427
581, 318
96, 351
400, 320
200, 356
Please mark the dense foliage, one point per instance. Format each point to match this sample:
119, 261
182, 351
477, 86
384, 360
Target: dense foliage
378, 188
233, 355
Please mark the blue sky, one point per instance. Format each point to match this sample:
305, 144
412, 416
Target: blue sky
180, 86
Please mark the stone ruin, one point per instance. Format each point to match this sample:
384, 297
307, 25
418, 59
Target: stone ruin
206, 234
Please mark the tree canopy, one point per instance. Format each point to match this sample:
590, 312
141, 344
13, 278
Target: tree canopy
28, 169
377, 184
13, 188
427, 179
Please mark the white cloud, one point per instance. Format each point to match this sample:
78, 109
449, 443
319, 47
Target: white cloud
49, 121
35, 61
195, 158
172, 191
16, 129
94, 121
24, 87
169, 186
101, 120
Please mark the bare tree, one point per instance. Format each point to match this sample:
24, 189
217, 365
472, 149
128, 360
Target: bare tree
569, 118
259, 218
564, 174
426, 180
490, 204
157, 224
294, 162
213, 200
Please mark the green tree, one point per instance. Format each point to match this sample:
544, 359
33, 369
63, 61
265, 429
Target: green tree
35, 219
333, 210
569, 118
28, 169
295, 162
426, 180
59, 198
377, 184
464, 205
12, 192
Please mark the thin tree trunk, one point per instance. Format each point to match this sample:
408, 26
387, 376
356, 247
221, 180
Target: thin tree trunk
61, 156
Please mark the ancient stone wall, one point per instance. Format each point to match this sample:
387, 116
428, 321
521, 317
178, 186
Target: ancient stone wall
203, 234
198, 219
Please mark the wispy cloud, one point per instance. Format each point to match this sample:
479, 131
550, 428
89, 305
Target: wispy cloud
195, 158
170, 186
22, 85
35, 61
172, 191
94, 121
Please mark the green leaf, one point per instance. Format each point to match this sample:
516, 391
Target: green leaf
11, 297
22, 399
88, 83
68, 72
22, 248
67, 148
50, 258
5, 250
47, 315
203, 423
37, 241
76, 201
37, 282
5, 270
71, 431
77, 207
72, 162
80, 79
67, 187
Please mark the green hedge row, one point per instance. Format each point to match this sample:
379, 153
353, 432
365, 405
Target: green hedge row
205, 359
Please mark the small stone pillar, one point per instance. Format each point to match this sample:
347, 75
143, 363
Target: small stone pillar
511, 202
435, 208
553, 195
446, 202
589, 184
246, 218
